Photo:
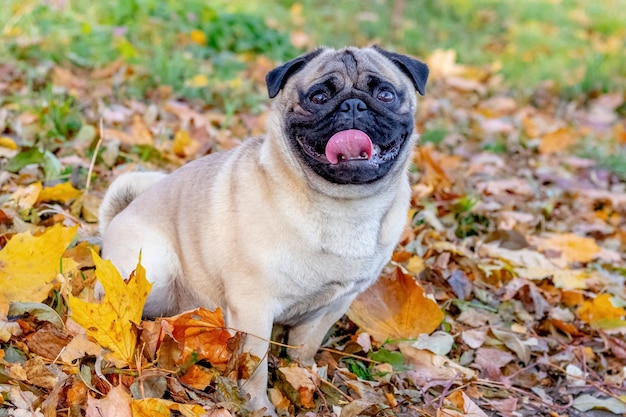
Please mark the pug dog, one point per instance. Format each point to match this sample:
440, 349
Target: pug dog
288, 227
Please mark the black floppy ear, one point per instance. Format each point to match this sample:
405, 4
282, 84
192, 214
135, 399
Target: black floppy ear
416, 70
277, 77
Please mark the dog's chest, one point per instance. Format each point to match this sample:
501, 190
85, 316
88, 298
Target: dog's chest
338, 262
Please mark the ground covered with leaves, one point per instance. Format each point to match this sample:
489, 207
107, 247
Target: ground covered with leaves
505, 297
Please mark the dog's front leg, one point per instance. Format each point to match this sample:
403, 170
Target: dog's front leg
309, 335
257, 324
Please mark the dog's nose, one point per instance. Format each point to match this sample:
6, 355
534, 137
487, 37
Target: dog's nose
353, 105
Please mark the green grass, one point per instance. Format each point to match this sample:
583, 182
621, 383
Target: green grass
577, 43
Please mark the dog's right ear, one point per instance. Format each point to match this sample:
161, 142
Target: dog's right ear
277, 77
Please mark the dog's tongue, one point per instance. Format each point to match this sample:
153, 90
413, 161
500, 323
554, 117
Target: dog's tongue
348, 144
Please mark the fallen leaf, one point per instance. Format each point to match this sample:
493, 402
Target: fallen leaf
7, 142
396, 309
439, 342
78, 347
48, 341
574, 248
155, 407
200, 333
63, 192
600, 308
8, 329
184, 145
116, 403
197, 377
38, 374
25, 198
428, 367
299, 385
140, 132
29, 264
588, 402
111, 321
557, 141
41, 311
462, 402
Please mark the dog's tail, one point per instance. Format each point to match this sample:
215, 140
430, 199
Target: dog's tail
122, 191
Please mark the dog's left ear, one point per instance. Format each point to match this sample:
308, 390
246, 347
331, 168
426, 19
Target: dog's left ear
277, 77
416, 70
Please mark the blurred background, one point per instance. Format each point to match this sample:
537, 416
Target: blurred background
576, 43
65, 61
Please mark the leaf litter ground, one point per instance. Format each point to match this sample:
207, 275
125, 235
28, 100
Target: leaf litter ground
505, 296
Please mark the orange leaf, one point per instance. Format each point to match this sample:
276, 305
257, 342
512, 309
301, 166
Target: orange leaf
434, 169
556, 141
600, 308
201, 333
197, 377
396, 309
574, 248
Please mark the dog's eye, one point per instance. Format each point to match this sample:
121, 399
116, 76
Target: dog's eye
386, 96
319, 97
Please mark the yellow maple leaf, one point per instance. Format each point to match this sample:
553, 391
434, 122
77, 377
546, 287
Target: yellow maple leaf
396, 309
156, 407
29, 264
600, 308
111, 322
63, 192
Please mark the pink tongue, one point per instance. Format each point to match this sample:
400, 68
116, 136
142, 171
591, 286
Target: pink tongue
348, 144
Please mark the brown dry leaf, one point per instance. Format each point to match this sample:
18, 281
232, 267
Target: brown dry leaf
461, 401
38, 374
442, 63
557, 141
63, 77
155, 407
575, 248
201, 333
48, 341
116, 403
395, 309
140, 132
428, 366
299, 384
79, 347
29, 264
434, 166
108, 71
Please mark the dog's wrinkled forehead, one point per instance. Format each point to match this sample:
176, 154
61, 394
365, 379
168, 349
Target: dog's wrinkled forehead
353, 65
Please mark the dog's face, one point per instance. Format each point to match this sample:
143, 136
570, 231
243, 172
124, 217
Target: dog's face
348, 115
